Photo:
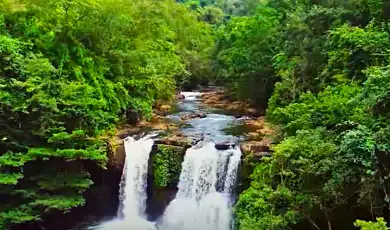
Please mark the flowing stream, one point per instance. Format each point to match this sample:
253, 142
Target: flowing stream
207, 181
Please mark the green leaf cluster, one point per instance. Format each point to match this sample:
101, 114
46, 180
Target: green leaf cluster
244, 52
380, 224
167, 165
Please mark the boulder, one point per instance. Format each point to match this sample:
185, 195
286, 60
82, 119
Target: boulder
201, 115
180, 97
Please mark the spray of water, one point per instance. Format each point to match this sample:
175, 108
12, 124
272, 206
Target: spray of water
199, 203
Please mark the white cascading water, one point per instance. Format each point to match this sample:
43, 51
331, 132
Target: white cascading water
206, 182
191, 95
131, 214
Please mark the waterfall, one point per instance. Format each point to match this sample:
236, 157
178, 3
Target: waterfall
131, 213
206, 183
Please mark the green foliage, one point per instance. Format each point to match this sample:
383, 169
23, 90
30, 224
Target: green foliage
353, 49
380, 224
300, 166
10, 178
69, 72
376, 90
331, 103
245, 48
329, 108
63, 203
64, 180
256, 209
17, 216
167, 165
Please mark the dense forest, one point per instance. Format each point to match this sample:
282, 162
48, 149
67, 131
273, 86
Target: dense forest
324, 66
72, 70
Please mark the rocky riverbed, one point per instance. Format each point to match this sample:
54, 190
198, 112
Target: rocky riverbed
175, 120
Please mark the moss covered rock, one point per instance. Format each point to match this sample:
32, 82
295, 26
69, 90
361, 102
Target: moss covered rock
167, 160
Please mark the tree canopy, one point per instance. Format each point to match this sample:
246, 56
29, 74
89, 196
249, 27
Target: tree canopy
322, 69
70, 71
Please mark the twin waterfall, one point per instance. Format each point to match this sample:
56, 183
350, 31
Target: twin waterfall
204, 198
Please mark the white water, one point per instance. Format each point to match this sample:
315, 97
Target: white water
191, 95
199, 203
131, 214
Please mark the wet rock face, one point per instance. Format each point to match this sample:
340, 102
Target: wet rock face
225, 145
116, 154
120, 155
